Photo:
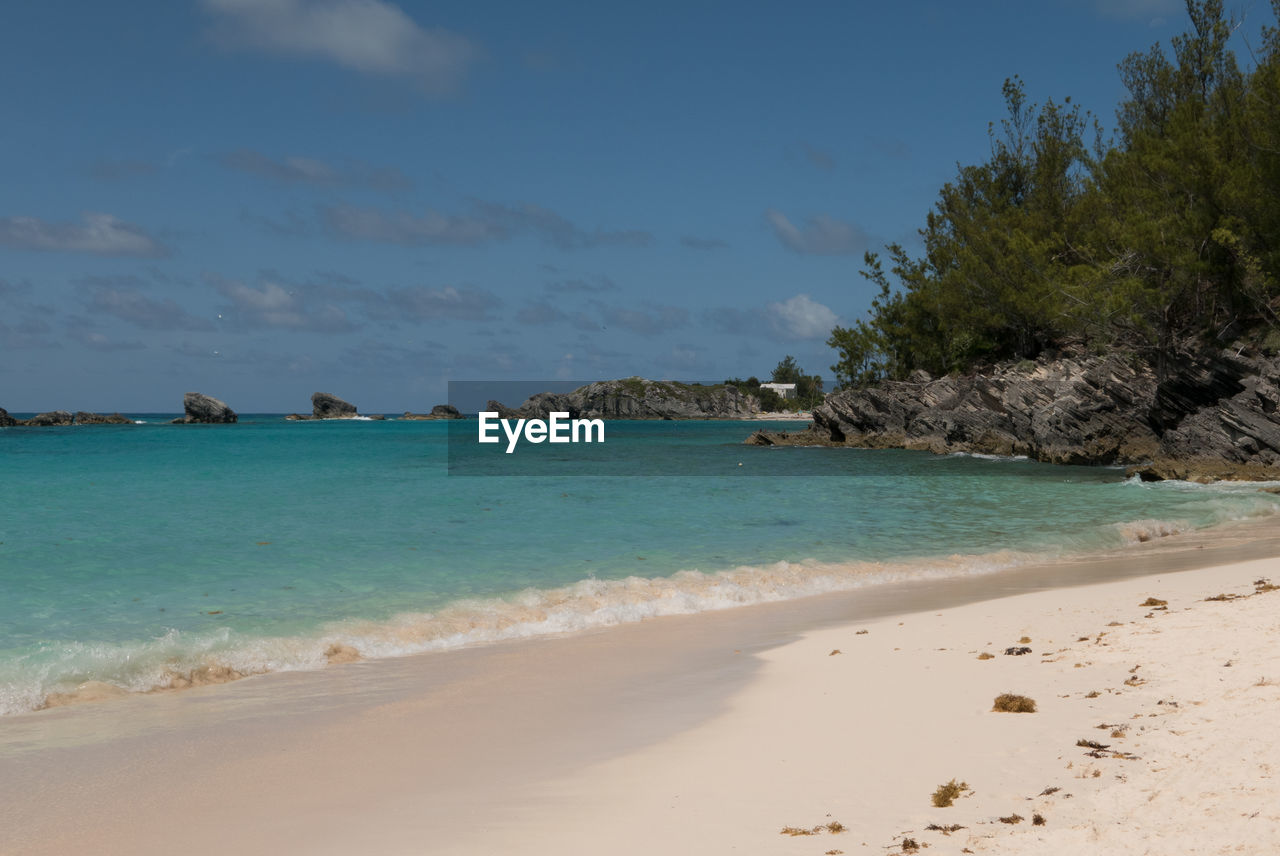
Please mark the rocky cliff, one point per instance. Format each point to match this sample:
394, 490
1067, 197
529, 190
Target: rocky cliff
1211, 415
637, 398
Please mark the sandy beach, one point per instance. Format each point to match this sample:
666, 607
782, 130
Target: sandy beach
820, 726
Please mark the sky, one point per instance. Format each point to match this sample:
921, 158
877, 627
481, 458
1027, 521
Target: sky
259, 199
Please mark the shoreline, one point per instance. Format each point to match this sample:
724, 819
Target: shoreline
467, 743
592, 605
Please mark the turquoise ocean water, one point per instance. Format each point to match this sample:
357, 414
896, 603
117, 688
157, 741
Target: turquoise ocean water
137, 555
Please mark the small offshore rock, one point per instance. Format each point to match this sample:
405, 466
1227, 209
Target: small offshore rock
205, 409
53, 417
83, 417
6, 421
440, 411
325, 405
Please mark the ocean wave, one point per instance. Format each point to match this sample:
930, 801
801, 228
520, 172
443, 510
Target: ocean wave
66, 673
982, 456
58, 673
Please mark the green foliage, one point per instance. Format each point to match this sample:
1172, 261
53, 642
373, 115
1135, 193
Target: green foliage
809, 392
1164, 237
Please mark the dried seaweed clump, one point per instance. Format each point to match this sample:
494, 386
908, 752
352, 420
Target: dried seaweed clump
1010, 703
985, 656
947, 794
1013, 818
1154, 601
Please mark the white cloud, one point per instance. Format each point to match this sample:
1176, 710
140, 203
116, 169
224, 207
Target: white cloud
100, 234
802, 317
369, 36
274, 306
820, 235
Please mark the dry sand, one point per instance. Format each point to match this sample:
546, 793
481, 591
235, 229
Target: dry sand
713, 733
1186, 700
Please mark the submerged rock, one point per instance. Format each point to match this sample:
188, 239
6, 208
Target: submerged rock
202, 408
325, 405
1211, 416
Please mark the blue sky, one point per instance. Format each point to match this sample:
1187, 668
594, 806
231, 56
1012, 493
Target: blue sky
258, 199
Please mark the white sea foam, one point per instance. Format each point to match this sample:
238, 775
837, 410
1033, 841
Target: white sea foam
986, 457
69, 672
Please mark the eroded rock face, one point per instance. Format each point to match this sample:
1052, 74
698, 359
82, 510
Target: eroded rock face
201, 408
1213, 415
637, 398
6, 421
325, 405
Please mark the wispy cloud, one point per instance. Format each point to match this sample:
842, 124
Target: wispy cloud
541, 313
823, 160
820, 235
293, 169
647, 322
486, 222
400, 227
589, 285
368, 36
801, 318
275, 305
132, 305
695, 243
420, 303
99, 234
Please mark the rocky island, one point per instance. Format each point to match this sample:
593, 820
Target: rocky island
326, 405
63, 417
440, 411
637, 398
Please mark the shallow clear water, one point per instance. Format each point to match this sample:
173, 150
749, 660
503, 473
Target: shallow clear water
134, 554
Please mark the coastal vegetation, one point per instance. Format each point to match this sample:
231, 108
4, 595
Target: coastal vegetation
1159, 239
809, 392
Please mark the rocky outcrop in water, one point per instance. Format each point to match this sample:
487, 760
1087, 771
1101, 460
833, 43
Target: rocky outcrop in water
440, 411
325, 405
84, 417
63, 417
200, 408
53, 417
1211, 415
637, 398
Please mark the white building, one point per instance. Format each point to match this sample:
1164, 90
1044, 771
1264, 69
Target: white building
784, 390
